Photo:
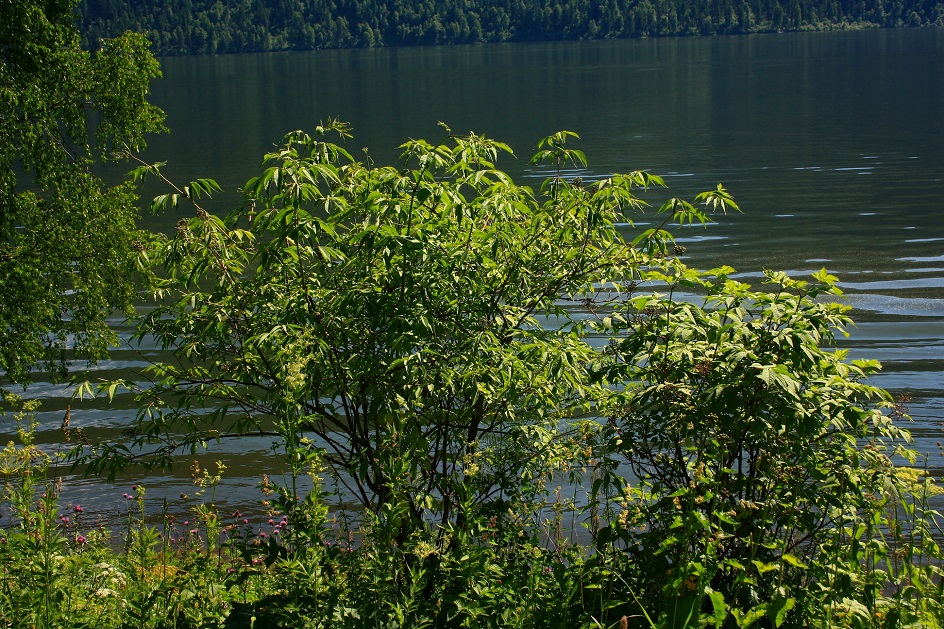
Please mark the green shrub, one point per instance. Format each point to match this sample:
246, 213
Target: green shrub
415, 325
428, 338
748, 457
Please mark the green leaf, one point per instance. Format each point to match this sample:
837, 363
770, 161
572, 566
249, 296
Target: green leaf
779, 608
793, 560
719, 608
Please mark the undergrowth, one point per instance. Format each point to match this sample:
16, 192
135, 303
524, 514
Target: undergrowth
303, 565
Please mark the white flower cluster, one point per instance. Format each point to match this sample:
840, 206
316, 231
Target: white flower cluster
111, 579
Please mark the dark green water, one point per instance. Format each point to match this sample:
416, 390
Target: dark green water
832, 143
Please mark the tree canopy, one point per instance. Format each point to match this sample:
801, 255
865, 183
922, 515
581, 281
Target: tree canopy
211, 27
67, 240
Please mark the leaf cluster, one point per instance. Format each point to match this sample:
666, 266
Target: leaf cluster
67, 241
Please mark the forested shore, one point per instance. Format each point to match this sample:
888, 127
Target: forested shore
489, 404
177, 27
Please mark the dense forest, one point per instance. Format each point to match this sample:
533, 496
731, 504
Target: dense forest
214, 26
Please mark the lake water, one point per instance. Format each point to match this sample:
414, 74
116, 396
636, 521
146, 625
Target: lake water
832, 143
